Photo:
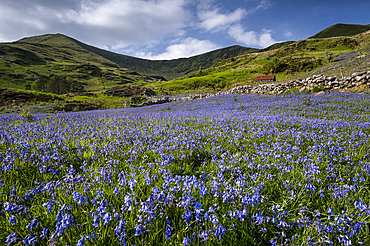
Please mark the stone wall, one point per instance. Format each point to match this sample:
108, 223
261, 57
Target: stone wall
159, 100
321, 82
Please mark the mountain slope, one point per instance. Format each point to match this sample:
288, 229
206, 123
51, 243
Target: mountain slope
22, 63
288, 61
171, 69
167, 68
25, 61
338, 30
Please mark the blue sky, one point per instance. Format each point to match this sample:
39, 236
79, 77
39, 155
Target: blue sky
170, 29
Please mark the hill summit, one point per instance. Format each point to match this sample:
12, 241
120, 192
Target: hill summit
339, 30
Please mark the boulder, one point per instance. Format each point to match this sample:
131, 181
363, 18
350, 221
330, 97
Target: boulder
358, 74
320, 93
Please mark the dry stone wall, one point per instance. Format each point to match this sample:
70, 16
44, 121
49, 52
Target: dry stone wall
322, 82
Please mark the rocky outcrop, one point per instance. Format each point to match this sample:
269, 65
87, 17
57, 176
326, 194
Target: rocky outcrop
8, 97
318, 82
78, 107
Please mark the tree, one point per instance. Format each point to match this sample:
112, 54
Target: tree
58, 84
75, 86
41, 83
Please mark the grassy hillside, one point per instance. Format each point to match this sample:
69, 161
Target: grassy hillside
289, 61
170, 69
342, 30
25, 62
22, 63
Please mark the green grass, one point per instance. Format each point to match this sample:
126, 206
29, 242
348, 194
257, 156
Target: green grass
293, 59
103, 101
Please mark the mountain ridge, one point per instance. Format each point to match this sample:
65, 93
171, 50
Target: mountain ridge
174, 67
24, 61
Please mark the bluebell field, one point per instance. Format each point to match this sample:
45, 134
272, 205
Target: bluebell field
227, 170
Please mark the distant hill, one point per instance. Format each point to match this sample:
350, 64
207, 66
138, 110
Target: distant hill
168, 68
339, 30
285, 60
26, 62
22, 63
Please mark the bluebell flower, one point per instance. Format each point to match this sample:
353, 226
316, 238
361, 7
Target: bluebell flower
107, 218
187, 216
119, 230
96, 220
186, 241
102, 206
30, 240
34, 223
12, 220
132, 183
67, 221
9, 207
127, 203
44, 232
138, 230
82, 241
213, 218
202, 190
198, 211
220, 231
168, 231
117, 216
203, 235
11, 238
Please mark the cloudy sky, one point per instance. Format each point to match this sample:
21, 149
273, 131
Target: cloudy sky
169, 29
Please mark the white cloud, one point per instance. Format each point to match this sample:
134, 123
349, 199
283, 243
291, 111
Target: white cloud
100, 23
251, 38
288, 34
264, 4
130, 25
213, 20
186, 48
